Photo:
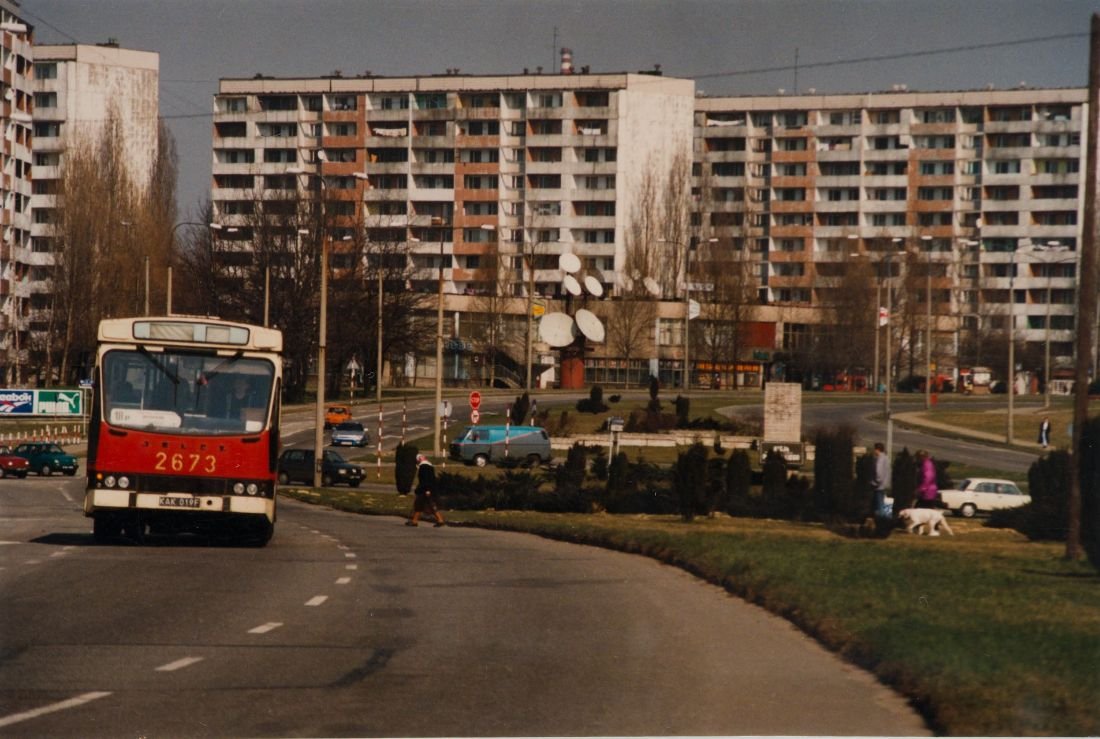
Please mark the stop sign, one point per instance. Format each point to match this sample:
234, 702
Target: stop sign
475, 400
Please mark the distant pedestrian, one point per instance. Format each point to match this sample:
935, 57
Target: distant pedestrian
928, 492
425, 486
1044, 432
880, 480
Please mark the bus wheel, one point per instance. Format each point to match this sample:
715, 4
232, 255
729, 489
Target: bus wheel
481, 460
134, 529
105, 528
262, 533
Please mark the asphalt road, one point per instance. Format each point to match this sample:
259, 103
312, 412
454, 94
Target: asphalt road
357, 626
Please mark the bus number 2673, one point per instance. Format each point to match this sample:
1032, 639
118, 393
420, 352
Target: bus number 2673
179, 462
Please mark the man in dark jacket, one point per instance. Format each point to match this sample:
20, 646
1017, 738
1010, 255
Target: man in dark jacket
425, 484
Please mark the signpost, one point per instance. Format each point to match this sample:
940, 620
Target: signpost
475, 400
475, 415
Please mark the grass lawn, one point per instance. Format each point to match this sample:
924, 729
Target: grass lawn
987, 633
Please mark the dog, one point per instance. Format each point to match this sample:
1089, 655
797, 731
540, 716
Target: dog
924, 520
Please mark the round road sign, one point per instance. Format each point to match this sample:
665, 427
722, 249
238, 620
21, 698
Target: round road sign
475, 415
475, 400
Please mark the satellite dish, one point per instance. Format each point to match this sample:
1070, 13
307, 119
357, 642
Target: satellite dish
569, 262
593, 285
590, 325
556, 329
571, 285
652, 286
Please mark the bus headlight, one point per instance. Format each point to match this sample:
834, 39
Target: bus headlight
252, 488
109, 481
238, 487
123, 481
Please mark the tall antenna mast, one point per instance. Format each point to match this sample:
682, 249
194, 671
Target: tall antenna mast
796, 70
554, 50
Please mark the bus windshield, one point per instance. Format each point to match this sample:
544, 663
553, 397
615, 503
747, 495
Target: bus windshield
182, 392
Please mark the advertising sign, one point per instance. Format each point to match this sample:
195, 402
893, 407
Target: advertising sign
23, 402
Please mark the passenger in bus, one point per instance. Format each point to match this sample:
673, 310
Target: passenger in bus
123, 392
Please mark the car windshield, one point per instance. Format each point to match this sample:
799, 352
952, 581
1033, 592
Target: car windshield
185, 393
334, 457
350, 426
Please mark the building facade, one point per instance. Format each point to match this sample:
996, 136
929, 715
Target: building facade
78, 89
976, 196
16, 60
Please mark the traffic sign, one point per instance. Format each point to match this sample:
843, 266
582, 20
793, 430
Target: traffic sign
475, 415
475, 400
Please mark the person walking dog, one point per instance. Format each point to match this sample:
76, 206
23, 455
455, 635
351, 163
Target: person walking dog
422, 500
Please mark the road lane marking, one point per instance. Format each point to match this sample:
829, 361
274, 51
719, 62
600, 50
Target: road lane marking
349, 555
264, 628
179, 664
316, 600
344, 547
79, 700
343, 580
351, 567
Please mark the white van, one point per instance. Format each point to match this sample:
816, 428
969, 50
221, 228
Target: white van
502, 445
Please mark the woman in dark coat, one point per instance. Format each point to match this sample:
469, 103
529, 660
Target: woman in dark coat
422, 501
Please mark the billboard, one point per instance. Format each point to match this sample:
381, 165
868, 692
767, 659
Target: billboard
25, 402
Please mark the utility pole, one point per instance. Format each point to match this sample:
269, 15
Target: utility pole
1086, 298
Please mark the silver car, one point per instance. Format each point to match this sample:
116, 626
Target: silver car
350, 433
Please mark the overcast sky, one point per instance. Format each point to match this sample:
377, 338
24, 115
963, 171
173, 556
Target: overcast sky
728, 46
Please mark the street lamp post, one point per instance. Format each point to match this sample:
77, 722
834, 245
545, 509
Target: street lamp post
438, 347
889, 342
1051, 246
928, 329
1011, 349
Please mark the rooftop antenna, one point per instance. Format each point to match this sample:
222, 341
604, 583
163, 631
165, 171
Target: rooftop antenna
796, 70
554, 49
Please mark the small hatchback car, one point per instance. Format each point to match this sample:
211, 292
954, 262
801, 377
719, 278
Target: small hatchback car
12, 465
46, 458
350, 433
296, 465
336, 413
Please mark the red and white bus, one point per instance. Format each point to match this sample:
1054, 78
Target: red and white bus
184, 432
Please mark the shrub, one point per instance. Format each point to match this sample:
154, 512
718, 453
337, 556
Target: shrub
903, 480
617, 475
738, 482
562, 427
774, 482
594, 402
520, 408
599, 463
834, 484
1047, 515
404, 467
614, 398
683, 410
1090, 488
716, 493
689, 480
569, 476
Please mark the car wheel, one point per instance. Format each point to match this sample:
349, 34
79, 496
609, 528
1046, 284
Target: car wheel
22, 475
481, 460
46, 471
283, 479
3, 473
70, 473
354, 483
968, 510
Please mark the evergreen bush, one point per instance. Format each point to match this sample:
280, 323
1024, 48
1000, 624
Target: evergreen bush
903, 480
834, 482
738, 483
689, 480
520, 408
683, 410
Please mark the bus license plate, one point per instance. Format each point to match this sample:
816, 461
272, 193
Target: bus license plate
174, 502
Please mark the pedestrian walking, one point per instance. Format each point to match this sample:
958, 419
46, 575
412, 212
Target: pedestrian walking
880, 480
1044, 432
422, 496
928, 493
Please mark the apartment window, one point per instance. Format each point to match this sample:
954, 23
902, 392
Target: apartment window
481, 101
936, 167
1006, 114
971, 167
236, 156
971, 115
431, 101
971, 143
934, 142
844, 117
431, 182
1002, 218
475, 208
280, 156
47, 159
841, 194
280, 182
886, 193
515, 100
394, 102
970, 193
546, 99
1006, 166
937, 115
599, 154
393, 182
343, 102
934, 219
935, 193
1046, 139
545, 153
789, 245
792, 119
45, 100
386, 155
1045, 166
483, 128
887, 169
1002, 192
762, 120
278, 130
837, 169
435, 156
342, 129
429, 128
593, 98
790, 143
594, 208
887, 219
727, 169
599, 236
278, 102
480, 182
545, 181
1009, 140
233, 181
790, 194
796, 169
599, 182
884, 117
1054, 218
592, 127
232, 129
481, 156
1054, 192
47, 129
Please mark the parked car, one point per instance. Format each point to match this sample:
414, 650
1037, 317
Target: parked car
46, 458
982, 495
12, 465
502, 445
336, 413
296, 465
350, 433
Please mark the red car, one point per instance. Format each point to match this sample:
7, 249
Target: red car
11, 465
